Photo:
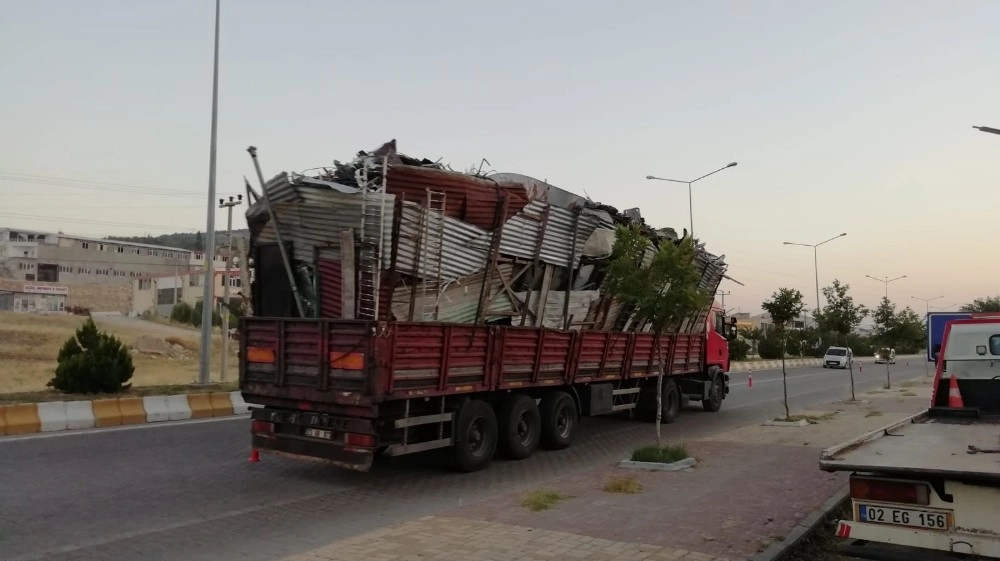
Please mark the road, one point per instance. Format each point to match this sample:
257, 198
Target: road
186, 492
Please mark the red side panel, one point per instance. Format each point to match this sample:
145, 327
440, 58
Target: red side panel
330, 289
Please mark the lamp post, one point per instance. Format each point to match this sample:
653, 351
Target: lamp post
207, 298
816, 260
988, 129
886, 281
690, 196
927, 308
225, 282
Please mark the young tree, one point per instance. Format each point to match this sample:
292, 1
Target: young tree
92, 361
784, 306
659, 284
752, 334
840, 315
987, 304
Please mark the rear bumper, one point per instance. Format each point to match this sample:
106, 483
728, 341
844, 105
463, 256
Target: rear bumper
951, 542
311, 449
288, 437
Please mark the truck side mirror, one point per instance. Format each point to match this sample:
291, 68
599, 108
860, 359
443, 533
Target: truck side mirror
731, 332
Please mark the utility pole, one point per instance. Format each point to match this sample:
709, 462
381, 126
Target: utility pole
225, 282
207, 305
723, 293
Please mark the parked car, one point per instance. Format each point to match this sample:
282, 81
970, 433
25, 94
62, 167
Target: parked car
838, 357
885, 355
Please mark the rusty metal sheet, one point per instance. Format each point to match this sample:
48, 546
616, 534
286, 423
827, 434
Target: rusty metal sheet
330, 288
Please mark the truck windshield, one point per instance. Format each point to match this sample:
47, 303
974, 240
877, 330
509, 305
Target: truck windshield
836, 352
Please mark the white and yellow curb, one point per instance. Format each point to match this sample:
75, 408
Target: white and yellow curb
51, 416
746, 366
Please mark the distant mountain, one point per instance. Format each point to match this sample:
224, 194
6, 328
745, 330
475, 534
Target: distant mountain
182, 240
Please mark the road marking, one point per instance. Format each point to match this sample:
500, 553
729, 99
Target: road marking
40, 435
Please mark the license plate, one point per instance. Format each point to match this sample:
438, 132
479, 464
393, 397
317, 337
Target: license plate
318, 433
904, 517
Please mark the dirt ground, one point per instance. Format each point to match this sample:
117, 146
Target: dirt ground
29, 344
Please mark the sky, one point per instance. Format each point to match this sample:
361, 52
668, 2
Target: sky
850, 116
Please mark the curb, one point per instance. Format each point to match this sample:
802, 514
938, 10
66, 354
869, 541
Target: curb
738, 367
53, 416
777, 551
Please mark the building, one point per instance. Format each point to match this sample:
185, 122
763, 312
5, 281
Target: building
764, 323
158, 293
34, 298
61, 258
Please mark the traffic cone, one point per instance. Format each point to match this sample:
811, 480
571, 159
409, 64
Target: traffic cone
750, 378
254, 456
954, 395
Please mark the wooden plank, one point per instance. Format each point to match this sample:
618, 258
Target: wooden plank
348, 276
543, 296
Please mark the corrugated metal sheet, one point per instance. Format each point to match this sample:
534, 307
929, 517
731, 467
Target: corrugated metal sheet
580, 302
459, 300
330, 288
458, 259
468, 198
520, 234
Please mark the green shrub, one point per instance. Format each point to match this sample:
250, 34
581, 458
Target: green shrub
739, 348
666, 454
199, 310
769, 347
92, 362
181, 313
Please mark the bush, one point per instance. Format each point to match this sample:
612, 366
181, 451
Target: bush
93, 362
181, 313
769, 347
739, 348
199, 310
657, 454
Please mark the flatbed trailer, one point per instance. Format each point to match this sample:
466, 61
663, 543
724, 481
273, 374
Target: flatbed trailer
343, 390
928, 486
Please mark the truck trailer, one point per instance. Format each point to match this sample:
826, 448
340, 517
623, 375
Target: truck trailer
401, 307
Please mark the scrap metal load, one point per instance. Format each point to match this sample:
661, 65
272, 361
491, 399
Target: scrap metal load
437, 245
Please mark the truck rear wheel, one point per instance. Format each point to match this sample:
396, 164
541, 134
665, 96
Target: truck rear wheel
671, 401
559, 419
716, 393
520, 426
475, 435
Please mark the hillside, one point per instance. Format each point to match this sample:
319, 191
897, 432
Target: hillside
182, 240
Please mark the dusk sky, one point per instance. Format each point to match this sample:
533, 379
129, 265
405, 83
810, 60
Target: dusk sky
849, 116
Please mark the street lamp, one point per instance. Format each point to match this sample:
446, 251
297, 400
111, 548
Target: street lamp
208, 298
886, 281
816, 261
988, 129
690, 196
927, 307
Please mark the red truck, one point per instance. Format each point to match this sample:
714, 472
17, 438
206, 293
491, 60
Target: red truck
357, 377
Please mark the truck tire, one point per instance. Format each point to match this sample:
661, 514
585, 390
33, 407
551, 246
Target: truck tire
520, 426
671, 402
475, 435
559, 419
716, 393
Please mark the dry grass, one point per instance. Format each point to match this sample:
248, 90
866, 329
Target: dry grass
537, 501
628, 485
811, 419
29, 344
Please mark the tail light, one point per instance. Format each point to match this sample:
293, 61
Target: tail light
890, 491
260, 354
366, 440
347, 361
262, 426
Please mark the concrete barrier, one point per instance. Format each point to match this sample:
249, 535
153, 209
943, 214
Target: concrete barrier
107, 413
132, 410
178, 407
201, 405
79, 415
52, 415
156, 408
22, 419
222, 406
240, 407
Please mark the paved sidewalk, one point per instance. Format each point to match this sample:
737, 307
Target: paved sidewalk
750, 488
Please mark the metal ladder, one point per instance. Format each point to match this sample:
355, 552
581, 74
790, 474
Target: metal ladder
373, 205
432, 234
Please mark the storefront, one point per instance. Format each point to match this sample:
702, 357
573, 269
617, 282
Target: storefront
35, 298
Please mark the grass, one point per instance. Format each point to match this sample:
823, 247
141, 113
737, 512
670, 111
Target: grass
537, 501
811, 419
873, 414
666, 455
628, 485
141, 391
29, 344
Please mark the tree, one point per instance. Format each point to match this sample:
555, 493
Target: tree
784, 306
659, 285
199, 242
92, 362
840, 315
752, 334
986, 304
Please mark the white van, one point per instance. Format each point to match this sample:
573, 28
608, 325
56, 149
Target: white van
838, 357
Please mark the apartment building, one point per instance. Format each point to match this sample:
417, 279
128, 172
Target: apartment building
46, 257
157, 293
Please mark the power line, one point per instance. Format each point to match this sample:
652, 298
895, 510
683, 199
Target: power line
105, 207
98, 187
97, 222
15, 176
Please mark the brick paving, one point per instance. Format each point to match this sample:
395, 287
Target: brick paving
751, 486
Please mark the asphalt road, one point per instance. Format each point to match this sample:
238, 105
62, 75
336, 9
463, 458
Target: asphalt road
185, 491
